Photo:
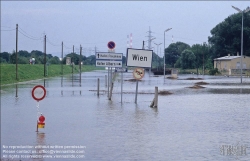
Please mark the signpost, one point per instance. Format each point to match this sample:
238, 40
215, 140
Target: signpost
108, 63
111, 45
39, 93
110, 60
108, 56
139, 58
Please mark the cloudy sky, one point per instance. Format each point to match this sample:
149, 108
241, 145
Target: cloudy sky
94, 23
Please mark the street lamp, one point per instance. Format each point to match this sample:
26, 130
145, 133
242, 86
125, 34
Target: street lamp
240, 11
157, 53
164, 51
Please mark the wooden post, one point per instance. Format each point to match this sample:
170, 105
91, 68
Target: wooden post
98, 86
154, 103
72, 60
111, 83
111, 89
156, 97
44, 56
80, 65
105, 80
62, 66
16, 52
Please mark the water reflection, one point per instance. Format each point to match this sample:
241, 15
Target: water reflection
200, 119
229, 91
71, 93
40, 143
16, 90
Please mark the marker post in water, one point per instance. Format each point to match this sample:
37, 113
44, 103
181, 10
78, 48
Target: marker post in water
39, 93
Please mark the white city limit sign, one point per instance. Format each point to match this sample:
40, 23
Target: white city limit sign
139, 58
108, 63
109, 56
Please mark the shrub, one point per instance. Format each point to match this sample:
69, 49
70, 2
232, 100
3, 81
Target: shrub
214, 71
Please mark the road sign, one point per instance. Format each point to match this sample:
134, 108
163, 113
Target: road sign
108, 56
121, 70
108, 63
111, 45
138, 73
139, 58
38, 92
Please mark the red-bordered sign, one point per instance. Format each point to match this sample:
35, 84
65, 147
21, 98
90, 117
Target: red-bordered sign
111, 45
38, 92
138, 73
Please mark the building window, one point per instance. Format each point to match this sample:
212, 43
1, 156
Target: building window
238, 65
244, 66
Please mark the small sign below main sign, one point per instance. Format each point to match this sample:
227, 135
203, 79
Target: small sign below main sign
109, 56
108, 63
139, 58
138, 73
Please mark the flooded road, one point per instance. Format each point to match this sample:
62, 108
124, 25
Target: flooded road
211, 123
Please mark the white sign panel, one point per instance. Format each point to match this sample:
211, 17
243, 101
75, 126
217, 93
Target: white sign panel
139, 58
121, 69
108, 56
108, 63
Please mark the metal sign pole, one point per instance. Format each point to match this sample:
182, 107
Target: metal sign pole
136, 91
121, 85
108, 82
111, 80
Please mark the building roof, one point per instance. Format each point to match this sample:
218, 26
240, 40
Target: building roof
227, 58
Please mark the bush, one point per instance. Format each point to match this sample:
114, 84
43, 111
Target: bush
214, 71
3, 61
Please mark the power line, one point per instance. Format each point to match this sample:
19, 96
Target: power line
28, 35
9, 30
51, 42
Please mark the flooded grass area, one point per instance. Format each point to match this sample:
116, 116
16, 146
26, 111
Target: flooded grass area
189, 123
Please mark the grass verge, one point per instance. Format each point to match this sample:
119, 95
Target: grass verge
28, 72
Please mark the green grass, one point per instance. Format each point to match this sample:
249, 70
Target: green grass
28, 72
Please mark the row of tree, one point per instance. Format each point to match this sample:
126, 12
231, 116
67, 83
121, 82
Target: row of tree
24, 58
225, 39
183, 56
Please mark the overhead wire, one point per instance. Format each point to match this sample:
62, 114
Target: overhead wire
48, 40
9, 30
24, 33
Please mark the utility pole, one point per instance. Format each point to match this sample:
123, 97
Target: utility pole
44, 55
157, 54
80, 65
150, 38
72, 60
80, 60
62, 60
95, 49
16, 52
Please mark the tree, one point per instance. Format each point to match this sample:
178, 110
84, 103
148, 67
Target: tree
5, 56
54, 60
187, 59
24, 53
173, 52
226, 36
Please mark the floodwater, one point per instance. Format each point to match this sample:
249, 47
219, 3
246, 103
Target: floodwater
211, 123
